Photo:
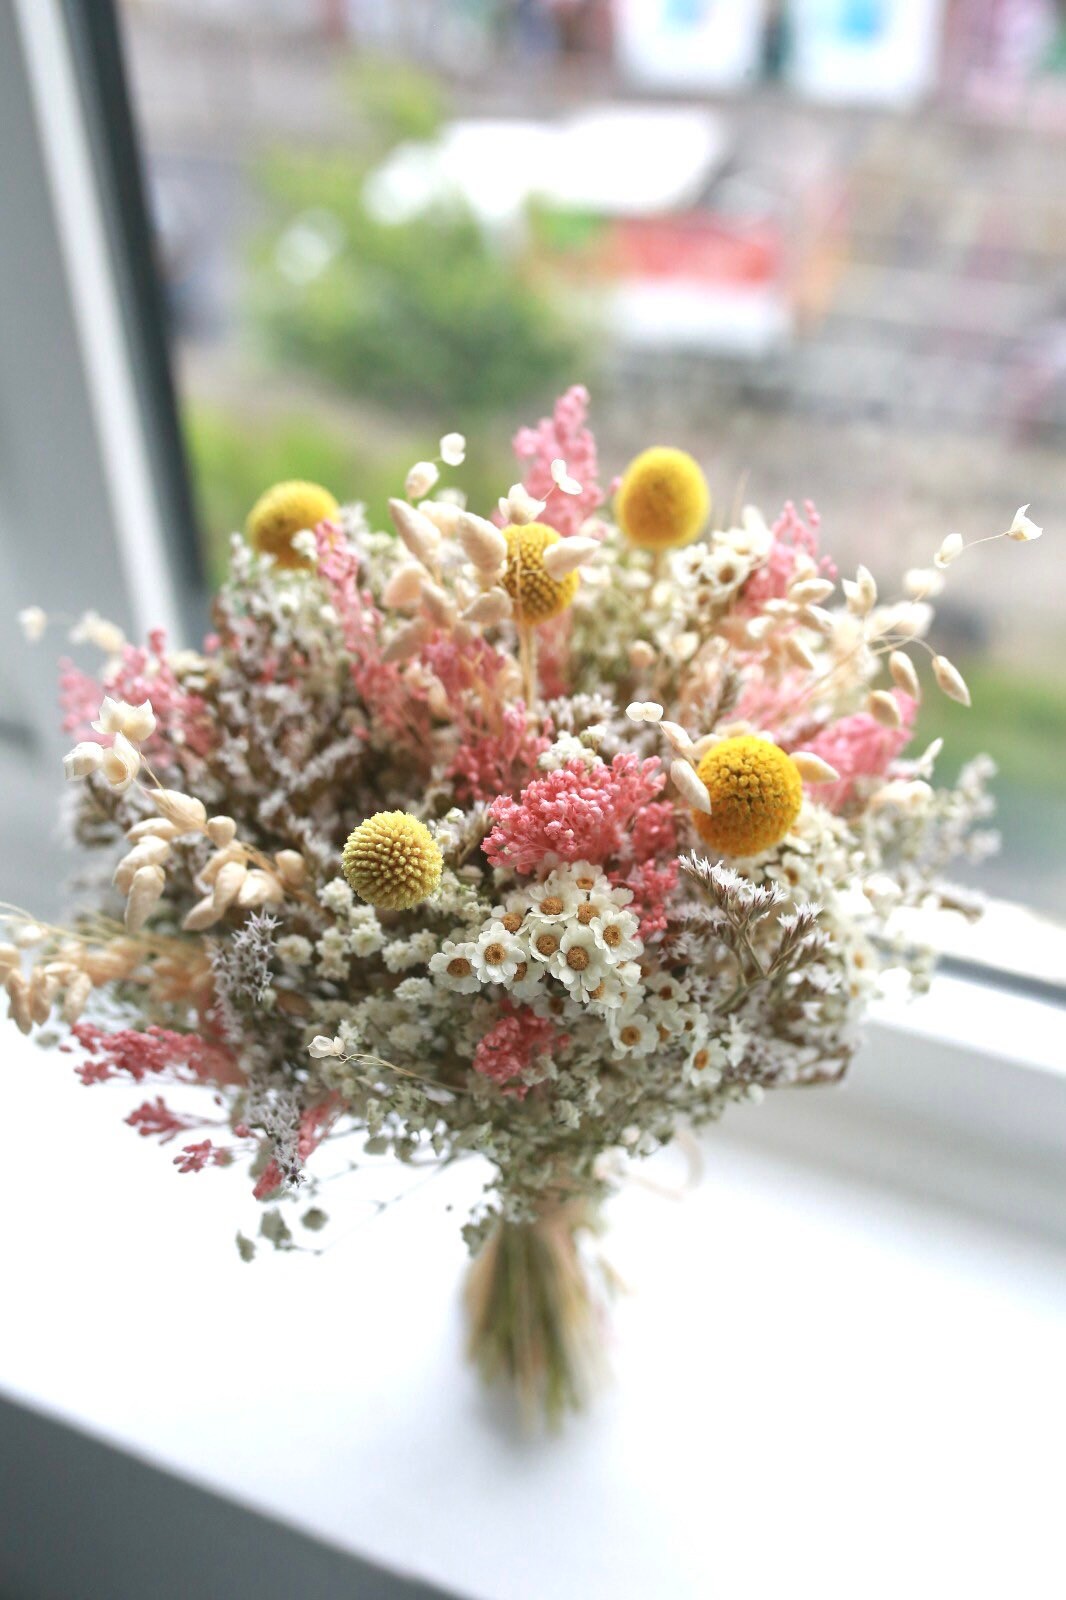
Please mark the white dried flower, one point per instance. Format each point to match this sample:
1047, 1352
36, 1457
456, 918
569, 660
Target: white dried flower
562, 479
1023, 527
519, 505
950, 680
85, 758
136, 722
33, 621
453, 449
950, 550
644, 711
641, 655
322, 1046
810, 591
121, 764
221, 831
93, 629
420, 480
922, 583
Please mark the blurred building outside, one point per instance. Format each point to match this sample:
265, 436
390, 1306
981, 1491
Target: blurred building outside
821, 244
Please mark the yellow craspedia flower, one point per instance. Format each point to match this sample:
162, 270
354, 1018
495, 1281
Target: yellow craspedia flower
286, 509
663, 500
392, 860
536, 594
756, 792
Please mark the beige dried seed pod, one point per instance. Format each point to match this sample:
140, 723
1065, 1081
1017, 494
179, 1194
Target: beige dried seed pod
292, 868
812, 769
74, 1001
690, 785
9, 958
145, 890
260, 888
186, 812
884, 708
490, 609
221, 831
18, 994
203, 915
228, 880
438, 605
417, 532
565, 557
904, 675
482, 542
950, 680
404, 588
408, 641
43, 990
798, 653
810, 591
151, 828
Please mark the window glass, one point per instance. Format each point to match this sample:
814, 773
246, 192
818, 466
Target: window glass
819, 244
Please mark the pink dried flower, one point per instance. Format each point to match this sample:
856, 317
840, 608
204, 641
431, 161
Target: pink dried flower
860, 747
183, 1057
195, 1157
498, 745
562, 436
510, 1046
154, 1119
183, 723
792, 537
651, 887
577, 813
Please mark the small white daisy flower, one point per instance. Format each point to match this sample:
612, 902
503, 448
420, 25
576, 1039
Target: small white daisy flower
453, 966
632, 1033
615, 933
578, 962
497, 954
543, 935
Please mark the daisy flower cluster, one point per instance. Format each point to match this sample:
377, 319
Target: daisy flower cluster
530, 831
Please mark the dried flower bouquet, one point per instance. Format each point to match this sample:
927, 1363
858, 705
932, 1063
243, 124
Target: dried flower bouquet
531, 836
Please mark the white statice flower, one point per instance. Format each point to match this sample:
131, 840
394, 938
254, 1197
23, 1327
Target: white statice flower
366, 939
498, 954
295, 949
33, 622
399, 955
332, 952
567, 747
414, 992
453, 966
579, 962
337, 896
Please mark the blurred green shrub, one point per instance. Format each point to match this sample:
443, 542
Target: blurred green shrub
428, 315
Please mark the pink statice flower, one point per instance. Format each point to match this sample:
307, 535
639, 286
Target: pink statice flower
195, 1157
792, 536
183, 722
154, 1119
383, 688
562, 436
577, 813
498, 744
860, 747
180, 1057
651, 886
512, 1044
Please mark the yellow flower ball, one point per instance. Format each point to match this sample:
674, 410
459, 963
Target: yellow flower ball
537, 596
285, 510
663, 500
392, 860
756, 792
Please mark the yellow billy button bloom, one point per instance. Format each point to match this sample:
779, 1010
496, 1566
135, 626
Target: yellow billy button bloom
663, 500
755, 791
283, 511
536, 595
392, 860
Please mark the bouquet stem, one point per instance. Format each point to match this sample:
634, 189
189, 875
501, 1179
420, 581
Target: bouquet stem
534, 1310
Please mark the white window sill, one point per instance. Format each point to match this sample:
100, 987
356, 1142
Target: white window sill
842, 1317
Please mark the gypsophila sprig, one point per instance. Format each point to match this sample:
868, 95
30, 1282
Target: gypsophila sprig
504, 832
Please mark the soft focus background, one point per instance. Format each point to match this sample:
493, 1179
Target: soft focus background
820, 244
